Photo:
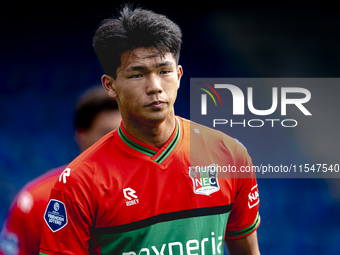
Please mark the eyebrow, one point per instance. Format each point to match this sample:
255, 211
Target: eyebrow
138, 68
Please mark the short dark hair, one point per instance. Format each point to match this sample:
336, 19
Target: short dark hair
90, 104
132, 29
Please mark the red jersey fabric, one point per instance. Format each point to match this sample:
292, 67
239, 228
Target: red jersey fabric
21, 231
122, 196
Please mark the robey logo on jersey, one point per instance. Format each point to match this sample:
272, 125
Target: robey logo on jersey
129, 194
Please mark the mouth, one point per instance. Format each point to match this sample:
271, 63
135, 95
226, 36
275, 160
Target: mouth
156, 104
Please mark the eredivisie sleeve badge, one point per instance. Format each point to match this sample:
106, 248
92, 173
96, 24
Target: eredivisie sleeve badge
55, 215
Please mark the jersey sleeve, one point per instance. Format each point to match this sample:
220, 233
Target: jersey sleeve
68, 217
244, 217
22, 229
19, 235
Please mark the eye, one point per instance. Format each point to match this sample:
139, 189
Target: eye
165, 72
135, 76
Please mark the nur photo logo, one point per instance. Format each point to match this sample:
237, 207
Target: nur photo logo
242, 104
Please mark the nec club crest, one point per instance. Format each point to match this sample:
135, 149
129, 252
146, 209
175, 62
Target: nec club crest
204, 179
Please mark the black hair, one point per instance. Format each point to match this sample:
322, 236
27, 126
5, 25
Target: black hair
90, 104
134, 28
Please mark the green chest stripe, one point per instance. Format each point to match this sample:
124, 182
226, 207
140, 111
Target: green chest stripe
195, 235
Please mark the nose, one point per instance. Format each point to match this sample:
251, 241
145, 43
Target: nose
154, 85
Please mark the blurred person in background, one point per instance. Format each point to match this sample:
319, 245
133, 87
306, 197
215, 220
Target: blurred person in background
96, 114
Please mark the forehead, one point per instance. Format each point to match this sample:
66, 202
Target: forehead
144, 57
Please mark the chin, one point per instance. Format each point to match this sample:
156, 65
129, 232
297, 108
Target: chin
158, 117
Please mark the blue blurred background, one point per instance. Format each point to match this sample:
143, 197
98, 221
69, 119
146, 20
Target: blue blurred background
47, 61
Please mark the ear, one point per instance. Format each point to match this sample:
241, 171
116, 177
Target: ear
109, 85
179, 74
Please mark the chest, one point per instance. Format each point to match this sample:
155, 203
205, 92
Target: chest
141, 191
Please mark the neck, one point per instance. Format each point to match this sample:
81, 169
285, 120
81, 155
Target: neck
155, 134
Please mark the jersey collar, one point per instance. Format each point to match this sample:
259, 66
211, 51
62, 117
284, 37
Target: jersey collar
158, 155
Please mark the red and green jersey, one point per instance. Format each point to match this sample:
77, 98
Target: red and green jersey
21, 231
122, 196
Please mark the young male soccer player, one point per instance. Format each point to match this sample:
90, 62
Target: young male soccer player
137, 191
96, 115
